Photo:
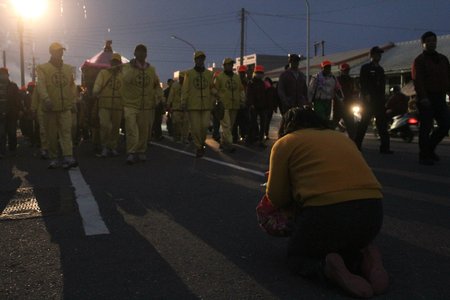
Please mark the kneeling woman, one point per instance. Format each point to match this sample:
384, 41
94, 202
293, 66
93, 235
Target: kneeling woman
321, 173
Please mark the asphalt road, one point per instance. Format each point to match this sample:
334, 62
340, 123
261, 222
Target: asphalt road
185, 228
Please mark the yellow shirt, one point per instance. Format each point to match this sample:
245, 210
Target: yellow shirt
56, 84
230, 90
141, 87
108, 84
174, 100
312, 167
198, 90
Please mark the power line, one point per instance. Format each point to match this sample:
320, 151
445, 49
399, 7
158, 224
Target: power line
297, 17
267, 35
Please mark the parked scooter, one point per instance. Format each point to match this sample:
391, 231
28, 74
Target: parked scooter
404, 126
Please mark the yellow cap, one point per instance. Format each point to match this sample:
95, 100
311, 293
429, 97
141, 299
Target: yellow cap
228, 60
116, 56
198, 54
55, 47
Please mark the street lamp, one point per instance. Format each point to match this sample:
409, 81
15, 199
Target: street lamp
307, 42
26, 9
184, 41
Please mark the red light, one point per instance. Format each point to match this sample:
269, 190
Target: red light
413, 121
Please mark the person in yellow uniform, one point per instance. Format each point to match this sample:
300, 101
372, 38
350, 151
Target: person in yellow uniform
140, 90
39, 114
56, 89
179, 116
320, 175
231, 92
107, 88
197, 98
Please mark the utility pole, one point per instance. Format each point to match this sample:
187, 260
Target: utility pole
33, 70
22, 62
307, 40
4, 58
242, 36
320, 44
316, 45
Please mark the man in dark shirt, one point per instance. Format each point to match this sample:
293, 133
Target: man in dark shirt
292, 88
397, 103
344, 110
373, 84
431, 75
9, 111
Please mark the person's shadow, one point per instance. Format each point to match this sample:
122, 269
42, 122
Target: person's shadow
120, 265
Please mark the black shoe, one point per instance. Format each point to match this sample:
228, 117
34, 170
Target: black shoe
44, 154
427, 161
52, 165
386, 151
435, 157
69, 163
130, 159
200, 152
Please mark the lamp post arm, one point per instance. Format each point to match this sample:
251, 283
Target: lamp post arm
184, 41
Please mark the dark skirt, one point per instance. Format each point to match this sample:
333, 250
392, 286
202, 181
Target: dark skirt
344, 228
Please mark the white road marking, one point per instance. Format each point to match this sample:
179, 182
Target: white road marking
233, 166
90, 215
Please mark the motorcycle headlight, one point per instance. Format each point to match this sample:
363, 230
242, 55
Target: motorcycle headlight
356, 109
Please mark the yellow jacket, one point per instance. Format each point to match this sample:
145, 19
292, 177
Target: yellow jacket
198, 90
56, 84
174, 100
107, 86
141, 87
36, 103
230, 90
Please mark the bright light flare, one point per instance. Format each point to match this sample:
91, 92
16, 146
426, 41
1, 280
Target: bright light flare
356, 109
30, 8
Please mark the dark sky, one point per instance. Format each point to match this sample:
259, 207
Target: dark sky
272, 27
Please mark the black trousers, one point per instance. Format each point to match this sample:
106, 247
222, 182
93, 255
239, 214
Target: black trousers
349, 119
345, 228
438, 111
269, 120
157, 122
377, 111
8, 132
240, 126
258, 123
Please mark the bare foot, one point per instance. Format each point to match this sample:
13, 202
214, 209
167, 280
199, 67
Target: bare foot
373, 269
336, 271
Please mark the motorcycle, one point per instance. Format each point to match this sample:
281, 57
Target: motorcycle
404, 126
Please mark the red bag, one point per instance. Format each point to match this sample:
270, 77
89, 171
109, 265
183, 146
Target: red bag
272, 220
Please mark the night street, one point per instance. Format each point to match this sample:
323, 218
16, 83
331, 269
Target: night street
177, 227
